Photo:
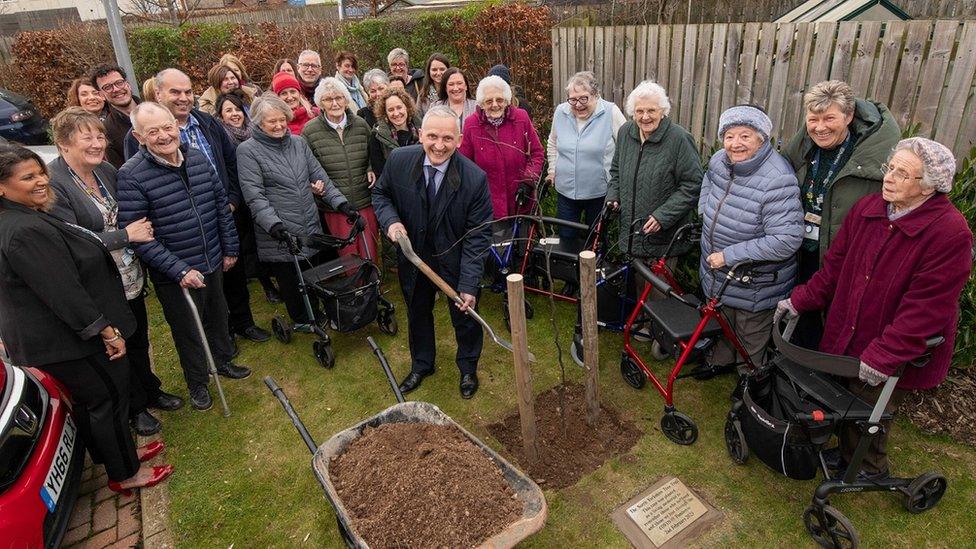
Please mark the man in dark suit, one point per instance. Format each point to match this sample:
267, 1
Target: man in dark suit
440, 200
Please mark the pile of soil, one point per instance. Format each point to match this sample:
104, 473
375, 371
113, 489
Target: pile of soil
422, 485
566, 455
947, 409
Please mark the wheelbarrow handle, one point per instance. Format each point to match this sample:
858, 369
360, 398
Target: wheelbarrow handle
386, 368
295, 420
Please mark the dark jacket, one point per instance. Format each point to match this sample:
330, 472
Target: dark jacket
661, 177
59, 287
74, 206
346, 160
877, 134
117, 126
459, 224
382, 141
224, 150
890, 285
192, 224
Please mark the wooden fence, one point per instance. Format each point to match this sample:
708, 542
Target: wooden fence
923, 70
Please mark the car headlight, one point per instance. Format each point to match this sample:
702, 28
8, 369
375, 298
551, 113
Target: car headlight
20, 116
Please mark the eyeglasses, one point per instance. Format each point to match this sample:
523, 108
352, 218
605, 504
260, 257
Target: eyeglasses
398, 65
309, 66
899, 175
118, 84
574, 101
338, 100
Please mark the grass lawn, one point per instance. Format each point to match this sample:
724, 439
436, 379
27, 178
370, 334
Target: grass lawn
246, 480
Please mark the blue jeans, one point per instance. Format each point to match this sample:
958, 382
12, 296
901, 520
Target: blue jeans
571, 210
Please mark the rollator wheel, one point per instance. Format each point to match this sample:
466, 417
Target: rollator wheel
576, 351
281, 328
679, 428
388, 324
324, 353
632, 373
925, 492
658, 352
735, 441
831, 529
529, 310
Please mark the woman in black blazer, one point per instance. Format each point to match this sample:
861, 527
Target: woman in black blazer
64, 312
85, 188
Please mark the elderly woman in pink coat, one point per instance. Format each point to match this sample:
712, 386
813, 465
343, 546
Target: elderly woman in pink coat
501, 140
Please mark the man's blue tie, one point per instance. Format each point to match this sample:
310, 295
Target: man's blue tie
431, 185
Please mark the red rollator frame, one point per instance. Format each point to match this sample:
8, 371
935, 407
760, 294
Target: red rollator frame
683, 319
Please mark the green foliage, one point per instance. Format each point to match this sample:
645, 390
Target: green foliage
371, 39
153, 47
963, 195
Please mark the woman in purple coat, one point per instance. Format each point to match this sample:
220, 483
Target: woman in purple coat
892, 279
501, 140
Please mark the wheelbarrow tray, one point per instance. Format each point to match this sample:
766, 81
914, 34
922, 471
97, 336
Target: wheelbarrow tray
534, 508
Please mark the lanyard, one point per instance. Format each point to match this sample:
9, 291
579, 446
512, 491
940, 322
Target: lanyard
814, 166
102, 198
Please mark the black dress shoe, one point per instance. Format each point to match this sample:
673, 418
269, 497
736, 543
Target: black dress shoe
233, 343
166, 402
200, 398
254, 333
145, 424
833, 460
469, 385
233, 371
272, 296
706, 371
412, 381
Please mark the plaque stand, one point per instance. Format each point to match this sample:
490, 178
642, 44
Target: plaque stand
667, 515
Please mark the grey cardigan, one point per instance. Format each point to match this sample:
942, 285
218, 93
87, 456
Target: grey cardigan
276, 177
74, 206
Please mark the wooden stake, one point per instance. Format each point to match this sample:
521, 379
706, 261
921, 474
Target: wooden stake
591, 351
523, 375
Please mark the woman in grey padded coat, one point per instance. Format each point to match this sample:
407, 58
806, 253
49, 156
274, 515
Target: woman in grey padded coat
750, 208
279, 178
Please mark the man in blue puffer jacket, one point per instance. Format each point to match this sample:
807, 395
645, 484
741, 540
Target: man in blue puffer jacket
194, 241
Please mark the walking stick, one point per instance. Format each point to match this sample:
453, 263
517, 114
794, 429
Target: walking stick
206, 349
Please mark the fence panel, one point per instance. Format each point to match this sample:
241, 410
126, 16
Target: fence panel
923, 70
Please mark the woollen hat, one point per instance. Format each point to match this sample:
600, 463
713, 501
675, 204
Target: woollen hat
939, 163
282, 81
745, 115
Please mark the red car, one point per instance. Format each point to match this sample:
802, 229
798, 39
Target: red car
41, 459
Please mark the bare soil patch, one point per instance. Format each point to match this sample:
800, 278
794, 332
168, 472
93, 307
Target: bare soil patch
947, 409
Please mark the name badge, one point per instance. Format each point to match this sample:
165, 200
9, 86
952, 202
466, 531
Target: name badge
812, 218
128, 256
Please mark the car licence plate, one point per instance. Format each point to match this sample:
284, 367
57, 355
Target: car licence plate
57, 476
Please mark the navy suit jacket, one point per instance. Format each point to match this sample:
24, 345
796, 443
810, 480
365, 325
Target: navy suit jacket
457, 231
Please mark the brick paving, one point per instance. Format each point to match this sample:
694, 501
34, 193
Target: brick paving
101, 517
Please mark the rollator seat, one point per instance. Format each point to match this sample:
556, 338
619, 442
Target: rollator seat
558, 248
678, 320
825, 389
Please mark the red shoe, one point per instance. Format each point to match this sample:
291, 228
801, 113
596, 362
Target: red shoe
152, 450
160, 473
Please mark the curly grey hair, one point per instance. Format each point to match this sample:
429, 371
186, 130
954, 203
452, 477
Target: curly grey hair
397, 53
583, 80
265, 104
649, 89
493, 83
333, 85
375, 76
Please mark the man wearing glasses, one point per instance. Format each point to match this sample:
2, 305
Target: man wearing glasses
110, 81
309, 73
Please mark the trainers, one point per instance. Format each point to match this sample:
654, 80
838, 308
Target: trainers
233, 371
200, 398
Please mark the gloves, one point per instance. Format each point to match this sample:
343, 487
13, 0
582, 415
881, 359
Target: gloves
784, 309
346, 209
871, 376
279, 233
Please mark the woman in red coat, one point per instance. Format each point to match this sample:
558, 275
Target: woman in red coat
501, 140
892, 279
288, 89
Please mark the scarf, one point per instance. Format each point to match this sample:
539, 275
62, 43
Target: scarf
238, 135
497, 122
355, 89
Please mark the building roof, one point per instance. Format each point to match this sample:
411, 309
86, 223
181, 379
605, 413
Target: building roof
838, 10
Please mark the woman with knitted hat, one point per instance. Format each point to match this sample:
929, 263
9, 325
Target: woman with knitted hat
892, 278
751, 210
287, 87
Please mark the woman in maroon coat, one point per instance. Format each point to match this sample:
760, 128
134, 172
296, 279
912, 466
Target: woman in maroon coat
891, 280
501, 140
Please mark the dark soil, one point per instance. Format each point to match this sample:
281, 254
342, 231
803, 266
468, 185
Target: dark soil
422, 485
565, 456
947, 409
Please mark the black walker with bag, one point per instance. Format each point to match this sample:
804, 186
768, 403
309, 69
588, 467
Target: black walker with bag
788, 411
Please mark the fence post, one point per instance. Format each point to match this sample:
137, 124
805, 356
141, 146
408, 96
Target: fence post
523, 375
591, 351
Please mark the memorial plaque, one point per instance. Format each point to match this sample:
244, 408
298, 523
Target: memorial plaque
668, 514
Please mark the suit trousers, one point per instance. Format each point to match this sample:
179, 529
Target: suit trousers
423, 344
213, 313
99, 389
144, 386
235, 280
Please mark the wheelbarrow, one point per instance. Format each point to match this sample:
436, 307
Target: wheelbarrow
534, 508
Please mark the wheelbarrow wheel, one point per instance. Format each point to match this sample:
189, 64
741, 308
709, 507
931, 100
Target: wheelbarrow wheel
632, 373
735, 441
388, 324
323, 352
679, 428
658, 352
281, 328
829, 527
925, 492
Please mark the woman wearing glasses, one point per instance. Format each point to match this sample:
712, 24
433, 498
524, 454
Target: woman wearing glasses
892, 278
580, 147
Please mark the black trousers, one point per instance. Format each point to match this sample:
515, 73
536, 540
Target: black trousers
876, 460
99, 389
235, 280
284, 272
809, 327
144, 386
213, 313
423, 344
